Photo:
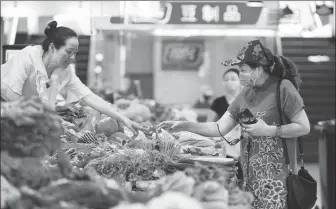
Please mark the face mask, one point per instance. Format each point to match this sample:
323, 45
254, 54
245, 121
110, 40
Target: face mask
245, 79
232, 86
206, 97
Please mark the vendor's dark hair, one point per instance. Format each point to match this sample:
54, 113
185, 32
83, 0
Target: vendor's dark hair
56, 35
282, 67
234, 70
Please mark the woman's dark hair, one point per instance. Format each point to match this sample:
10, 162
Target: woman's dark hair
56, 35
234, 70
288, 70
282, 67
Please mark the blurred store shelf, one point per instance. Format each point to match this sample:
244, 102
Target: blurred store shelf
318, 82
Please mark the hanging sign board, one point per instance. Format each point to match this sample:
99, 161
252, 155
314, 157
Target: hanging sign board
213, 13
182, 55
201, 13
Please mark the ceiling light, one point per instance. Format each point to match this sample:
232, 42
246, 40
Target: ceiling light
318, 58
319, 3
329, 3
255, 4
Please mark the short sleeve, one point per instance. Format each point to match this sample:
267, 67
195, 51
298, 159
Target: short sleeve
215, 106
291, 100
14, 73
219, 106
75, 89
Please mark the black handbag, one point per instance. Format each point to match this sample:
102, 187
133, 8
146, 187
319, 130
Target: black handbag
301, 187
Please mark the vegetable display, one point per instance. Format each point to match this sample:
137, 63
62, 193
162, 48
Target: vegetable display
81, 160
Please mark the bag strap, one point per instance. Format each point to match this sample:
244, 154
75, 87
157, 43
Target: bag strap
301, 151
284, 144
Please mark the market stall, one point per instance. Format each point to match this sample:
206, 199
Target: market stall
77, 158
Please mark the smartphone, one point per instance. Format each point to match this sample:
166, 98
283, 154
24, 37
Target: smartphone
246, 117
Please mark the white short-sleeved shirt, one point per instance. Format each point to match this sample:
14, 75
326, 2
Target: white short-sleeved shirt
26, 75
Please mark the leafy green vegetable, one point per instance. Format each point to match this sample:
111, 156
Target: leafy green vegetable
130, 165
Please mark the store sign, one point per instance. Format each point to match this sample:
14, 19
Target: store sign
203, 13
182, 55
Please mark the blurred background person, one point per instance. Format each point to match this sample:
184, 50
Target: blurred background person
127, 89
108, 93
231, 88
205, 99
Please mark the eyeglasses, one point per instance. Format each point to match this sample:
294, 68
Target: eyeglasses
231, 143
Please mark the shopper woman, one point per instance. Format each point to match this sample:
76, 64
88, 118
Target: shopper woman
44, 71
260, 73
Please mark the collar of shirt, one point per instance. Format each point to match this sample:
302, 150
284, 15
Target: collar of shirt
269, 81
41, 72
42, 76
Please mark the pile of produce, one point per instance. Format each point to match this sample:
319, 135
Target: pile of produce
153, 112
131, 165
196, 144
202, 187
134, 109
32, 133
52, 163
121, 158
28, 128
73, 113
143, 158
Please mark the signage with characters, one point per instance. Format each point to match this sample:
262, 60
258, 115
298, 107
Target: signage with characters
213, 13
178, 55
218, 13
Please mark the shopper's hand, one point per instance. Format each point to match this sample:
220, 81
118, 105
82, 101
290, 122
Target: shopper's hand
173, 126
260, 128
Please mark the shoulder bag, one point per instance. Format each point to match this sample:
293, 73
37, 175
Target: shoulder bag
301, 187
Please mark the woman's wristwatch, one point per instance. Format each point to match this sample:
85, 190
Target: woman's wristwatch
278, 131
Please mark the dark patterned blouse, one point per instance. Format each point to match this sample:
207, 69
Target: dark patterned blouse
266, 171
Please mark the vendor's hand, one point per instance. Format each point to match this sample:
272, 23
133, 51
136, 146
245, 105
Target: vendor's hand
173, 126
257, 129
133, 126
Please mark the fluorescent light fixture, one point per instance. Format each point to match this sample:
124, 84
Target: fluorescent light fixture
329, 3
214, 32
255, 4
318, 58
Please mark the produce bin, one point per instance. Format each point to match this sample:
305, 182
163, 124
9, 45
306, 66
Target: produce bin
326, 150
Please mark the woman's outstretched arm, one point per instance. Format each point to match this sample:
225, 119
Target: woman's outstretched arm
209, 129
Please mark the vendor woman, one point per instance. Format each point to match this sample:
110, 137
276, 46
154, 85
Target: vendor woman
44, 71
